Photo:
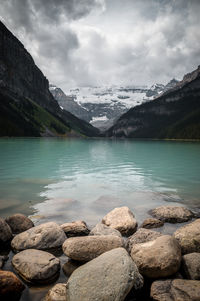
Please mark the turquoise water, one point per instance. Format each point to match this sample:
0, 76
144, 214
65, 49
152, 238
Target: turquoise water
65, 180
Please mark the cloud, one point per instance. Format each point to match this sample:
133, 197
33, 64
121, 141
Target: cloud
96, 42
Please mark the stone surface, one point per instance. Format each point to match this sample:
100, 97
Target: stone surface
188, 237
43, 237
89, 247
158, 258
5, 231
121, 219
150, 223
70, 266
19, 223
10, 286
176, 290
140, 236
191, 266
78, 228
101, 229
172, 214
56, 293
36, 266
108, 277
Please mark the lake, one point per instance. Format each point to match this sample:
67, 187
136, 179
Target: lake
65, 180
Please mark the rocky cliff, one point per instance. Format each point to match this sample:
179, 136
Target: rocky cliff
25, 96
175, 114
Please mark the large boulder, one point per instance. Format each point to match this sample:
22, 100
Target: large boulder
108, 277
5, 231
172, 214
36, 266
89, 247
10, 286
158, 258
3, 258
78, 228
19, 223
121, 219
43, 237
191, 266
140, 236
57, 293
188, 237
150, 223
175, 290
101, 229
70, 266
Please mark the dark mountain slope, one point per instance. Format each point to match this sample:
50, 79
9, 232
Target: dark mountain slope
174, 115
26, 105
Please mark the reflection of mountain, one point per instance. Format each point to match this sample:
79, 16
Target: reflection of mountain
101, 106
27, 108
175, 114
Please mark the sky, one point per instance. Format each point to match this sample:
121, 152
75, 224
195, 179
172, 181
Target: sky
107, 42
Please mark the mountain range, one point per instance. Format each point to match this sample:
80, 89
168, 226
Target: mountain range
27, 108
30, 107
102, 106
175, 114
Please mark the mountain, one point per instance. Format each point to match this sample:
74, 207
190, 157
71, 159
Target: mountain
102, 106
174, 115
27, 108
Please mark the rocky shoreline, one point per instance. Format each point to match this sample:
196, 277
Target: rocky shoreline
114, 261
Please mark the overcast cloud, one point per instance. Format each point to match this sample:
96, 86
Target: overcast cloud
103, 42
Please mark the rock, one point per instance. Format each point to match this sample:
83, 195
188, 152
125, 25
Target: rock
172, 214
121, 219
175, 290
108, 277
89, 247
70, 266
19, 223
188, 237
78, 228
2, 260
191, 266
140, 236
10, 286
101, 229
56, 293
43, 237
5, 231
150, 223
36, 266
158, 258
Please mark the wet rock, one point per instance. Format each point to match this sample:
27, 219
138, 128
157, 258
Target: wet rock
188, 237
140, 236
5, 231
36, 266
150, 223
89, 247
19, 223
10, 286
70, 266
56, 293
121, 219
101, 229
158, 258
2, 260
175, 290
191, 266
172, 214
108, 277
78, 228
43, 237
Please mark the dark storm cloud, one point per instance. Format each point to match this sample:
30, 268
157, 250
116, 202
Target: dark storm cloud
90, 42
